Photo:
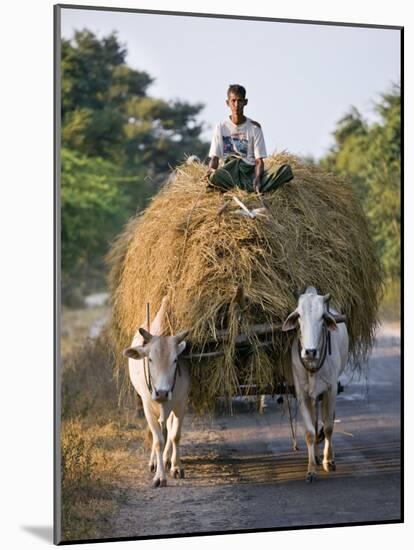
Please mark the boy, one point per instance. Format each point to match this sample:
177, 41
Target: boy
239, 140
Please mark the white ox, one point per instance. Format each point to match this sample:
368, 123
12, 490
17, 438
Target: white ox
163, 386
316, 370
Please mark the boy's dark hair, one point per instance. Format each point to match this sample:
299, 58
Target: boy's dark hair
237, 89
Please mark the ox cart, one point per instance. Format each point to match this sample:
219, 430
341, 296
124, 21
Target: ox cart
192, 248
281, 388
262, 332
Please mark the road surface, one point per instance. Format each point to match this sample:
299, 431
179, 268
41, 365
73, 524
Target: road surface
242, 474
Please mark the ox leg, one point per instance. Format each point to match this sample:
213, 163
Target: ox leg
152, 464
307, 408
315, 419
177, 469
168, 446
261, 402
328, 413
160, 478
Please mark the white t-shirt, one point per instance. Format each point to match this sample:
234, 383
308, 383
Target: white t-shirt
242, 140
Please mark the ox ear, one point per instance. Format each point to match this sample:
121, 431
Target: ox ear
291, 321
330, 321
181, 347
135, 352
145, 334
179, 340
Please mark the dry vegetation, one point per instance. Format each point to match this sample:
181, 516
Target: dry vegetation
315, 233
94, 457
99, 439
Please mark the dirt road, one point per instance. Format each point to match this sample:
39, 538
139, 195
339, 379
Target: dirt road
242, 474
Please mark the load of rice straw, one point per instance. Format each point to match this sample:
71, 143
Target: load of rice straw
195, 248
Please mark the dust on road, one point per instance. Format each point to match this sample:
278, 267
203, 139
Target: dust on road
242, 474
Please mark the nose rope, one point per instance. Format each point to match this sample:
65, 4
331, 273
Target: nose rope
148, 379
177, 368
147, 376
322, 354
146, 359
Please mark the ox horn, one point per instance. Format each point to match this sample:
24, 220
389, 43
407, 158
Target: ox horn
146, 335
326, 297
181, 335
297, 293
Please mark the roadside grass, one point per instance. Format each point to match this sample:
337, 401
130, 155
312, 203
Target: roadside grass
94, 459
100, 440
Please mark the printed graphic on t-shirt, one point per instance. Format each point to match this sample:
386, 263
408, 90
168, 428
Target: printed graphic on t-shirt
235, 144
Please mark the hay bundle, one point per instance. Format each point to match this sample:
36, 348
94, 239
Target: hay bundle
315, 234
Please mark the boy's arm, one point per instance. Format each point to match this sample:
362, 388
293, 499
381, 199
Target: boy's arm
215, 151
258, 172
259, 153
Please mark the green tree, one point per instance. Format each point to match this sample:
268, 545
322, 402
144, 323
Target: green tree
384, 181
119, 145
93, 209
160, 134
348, 155
106, 111
94, 73
96, 83
370, 156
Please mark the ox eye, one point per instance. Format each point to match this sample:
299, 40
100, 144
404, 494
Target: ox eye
149, 359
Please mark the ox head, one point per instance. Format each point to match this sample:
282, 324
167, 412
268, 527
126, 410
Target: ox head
310, 316
162, 353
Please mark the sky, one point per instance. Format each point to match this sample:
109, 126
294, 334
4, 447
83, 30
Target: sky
300, 78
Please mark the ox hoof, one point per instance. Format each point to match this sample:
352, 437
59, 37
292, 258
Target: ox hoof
159, 482
178, 473
310, 477
329, 466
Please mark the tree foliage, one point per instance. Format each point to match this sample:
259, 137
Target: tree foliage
118, 146
106, 110
91, 204
370, 157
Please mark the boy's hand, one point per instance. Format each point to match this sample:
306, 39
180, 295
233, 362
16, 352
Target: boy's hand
208, 174
212, 167
256, 184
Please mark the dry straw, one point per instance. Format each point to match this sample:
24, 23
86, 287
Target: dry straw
315, 233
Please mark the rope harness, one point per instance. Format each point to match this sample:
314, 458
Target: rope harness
326, 347
326, 343
147, 375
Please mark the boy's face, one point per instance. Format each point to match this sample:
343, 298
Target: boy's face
236, 104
